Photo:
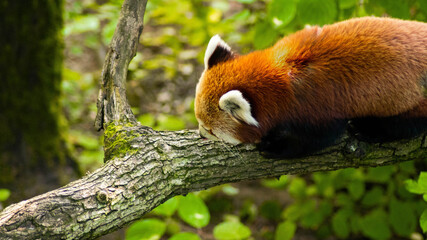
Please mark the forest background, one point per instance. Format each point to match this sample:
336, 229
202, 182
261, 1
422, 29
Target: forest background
374, 203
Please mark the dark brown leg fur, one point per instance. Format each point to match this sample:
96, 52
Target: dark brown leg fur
385, 129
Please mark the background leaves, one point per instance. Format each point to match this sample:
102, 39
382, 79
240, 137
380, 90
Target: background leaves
375, 203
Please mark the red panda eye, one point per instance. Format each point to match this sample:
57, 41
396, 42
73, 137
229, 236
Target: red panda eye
209, 131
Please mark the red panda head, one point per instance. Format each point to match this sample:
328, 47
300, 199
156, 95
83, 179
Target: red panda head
222, 110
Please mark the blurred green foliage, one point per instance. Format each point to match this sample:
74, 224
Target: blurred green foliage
417, 187
360, 203
150, 229
4, 195
231, 230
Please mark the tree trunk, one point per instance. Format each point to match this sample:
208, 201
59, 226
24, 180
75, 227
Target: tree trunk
33, 156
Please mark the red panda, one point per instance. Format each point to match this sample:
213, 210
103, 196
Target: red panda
366, 74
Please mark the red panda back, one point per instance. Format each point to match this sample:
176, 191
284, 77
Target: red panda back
361, 67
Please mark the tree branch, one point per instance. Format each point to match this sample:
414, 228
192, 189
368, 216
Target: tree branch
145, 168
112, 102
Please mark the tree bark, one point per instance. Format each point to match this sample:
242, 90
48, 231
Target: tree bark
145, 168
112, 102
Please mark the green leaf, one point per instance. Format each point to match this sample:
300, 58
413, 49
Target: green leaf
297, 188
275, 183
373, 197
185, 236
380, 174
373, 7
345, 4
172, 226
299, 209
423, 221
356, 188
325, 207
270, 210
396, 8
402, 218
241, 16
312, 220
423, 5
231, 231
292, 212
422, 181
168, 208
193, 211
419, 207
407, 167
340, 223
315, 216
374, 225
282, 12
343, 199
355, 223
4, 194
413, 187
317, 12
230, 190
265, 35
248, 210
324, 184
147, 229
285, 231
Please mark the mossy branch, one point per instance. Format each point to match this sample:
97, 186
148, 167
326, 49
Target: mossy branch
145, 168
112, 102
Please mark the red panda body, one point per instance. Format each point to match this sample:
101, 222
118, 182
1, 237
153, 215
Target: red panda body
299, 94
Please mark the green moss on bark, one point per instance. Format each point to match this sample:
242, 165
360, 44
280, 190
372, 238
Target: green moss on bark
117, 140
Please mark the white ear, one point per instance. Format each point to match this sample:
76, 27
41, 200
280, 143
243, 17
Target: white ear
216, 52
238, 107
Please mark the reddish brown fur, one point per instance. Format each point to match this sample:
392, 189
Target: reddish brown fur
361, 67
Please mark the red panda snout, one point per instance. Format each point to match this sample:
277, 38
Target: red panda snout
207, 133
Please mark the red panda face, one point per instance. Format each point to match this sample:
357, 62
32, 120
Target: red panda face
214, 123
223, 114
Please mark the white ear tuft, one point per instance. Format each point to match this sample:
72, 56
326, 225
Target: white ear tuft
217, 51
238, 107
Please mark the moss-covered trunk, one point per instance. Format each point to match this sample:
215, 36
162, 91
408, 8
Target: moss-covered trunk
33, 157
